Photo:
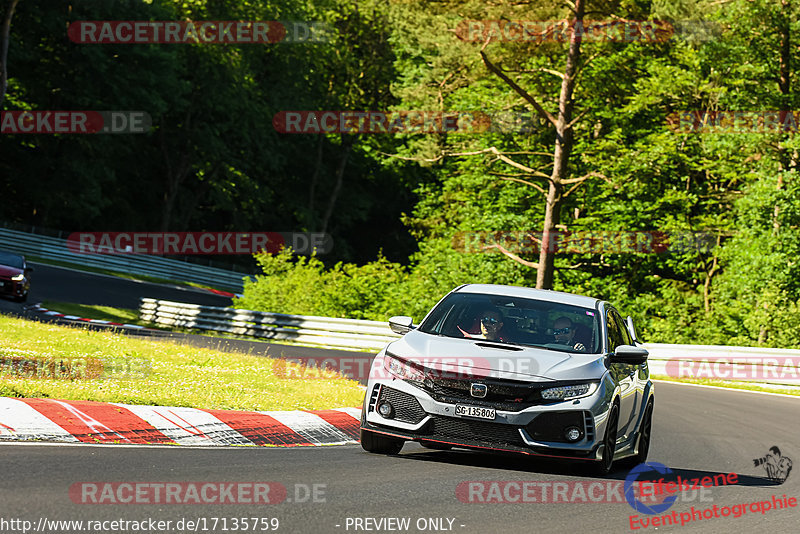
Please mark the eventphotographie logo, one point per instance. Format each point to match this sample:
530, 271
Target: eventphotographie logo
776, 465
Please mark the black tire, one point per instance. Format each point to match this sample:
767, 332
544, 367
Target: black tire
23, 298
380, 444
603, 467
644, 438
435, 445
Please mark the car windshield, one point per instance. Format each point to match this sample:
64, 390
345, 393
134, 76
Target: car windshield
516, 320
11, 260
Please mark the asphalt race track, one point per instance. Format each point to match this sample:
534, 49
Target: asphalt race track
697, 432
67, 285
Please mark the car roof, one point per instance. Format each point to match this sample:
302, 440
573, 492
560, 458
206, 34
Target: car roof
531, 293
9, 253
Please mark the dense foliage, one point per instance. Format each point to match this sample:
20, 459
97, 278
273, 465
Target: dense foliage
403, 202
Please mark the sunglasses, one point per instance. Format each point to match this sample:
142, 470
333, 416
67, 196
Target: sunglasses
490, 320
560, 331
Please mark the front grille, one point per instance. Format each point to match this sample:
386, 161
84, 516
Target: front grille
506, 395
406, 408
550, 426
445, 428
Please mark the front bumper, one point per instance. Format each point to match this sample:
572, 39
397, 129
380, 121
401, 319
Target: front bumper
534, 430
13, 288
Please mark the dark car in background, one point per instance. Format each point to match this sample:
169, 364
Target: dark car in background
14, 276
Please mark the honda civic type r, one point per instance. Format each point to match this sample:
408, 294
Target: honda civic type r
514, 369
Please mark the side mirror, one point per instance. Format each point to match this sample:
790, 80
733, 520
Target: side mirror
28, 269
401, 324
631, 329
630, 355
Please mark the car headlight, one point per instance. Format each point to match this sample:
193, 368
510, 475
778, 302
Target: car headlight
402, 369
569, 392
18, 278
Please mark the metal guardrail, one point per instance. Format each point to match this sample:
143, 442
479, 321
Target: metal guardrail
55, 249
326, 331
746, 364
738, 364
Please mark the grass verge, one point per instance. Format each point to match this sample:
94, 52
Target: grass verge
729, 385
174, 375
88, 311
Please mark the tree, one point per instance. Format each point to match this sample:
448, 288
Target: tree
5, 34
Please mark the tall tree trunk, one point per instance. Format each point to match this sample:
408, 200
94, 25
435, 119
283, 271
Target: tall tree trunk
784, 85
5, 35
347, 145
564, 145
175, 174
311, 220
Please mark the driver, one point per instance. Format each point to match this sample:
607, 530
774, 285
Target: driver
491, 322
564, 334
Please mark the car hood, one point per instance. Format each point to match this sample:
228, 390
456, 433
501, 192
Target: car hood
481, 358
8, 272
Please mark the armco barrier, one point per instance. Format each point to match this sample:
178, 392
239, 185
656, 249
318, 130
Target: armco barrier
746, 364
55, 249
326, 331
740, 364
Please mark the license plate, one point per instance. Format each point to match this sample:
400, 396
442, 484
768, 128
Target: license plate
475, 411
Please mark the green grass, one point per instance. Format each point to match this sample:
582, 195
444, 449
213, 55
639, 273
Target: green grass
106, 313
728, 385
181, 375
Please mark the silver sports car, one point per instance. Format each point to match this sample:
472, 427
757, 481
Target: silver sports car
515, 369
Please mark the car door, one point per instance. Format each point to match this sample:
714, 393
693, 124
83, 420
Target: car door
623, 374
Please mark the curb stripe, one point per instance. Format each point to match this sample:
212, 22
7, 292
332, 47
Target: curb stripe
342, 421
189, 426
260, 429
127, 424
18, 421
312, 427
97, 422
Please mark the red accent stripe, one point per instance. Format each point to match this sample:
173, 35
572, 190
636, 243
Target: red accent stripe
222, 293
260, 428
344, 422
115, 423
